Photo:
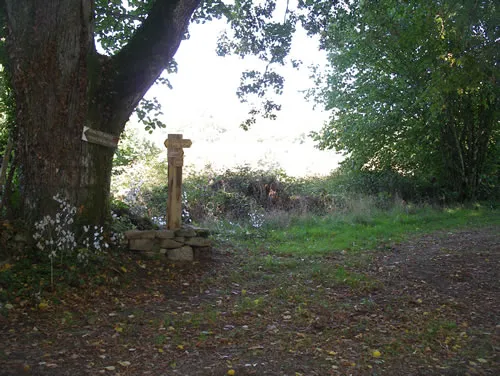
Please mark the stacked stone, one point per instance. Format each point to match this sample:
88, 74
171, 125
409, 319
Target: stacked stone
185, 244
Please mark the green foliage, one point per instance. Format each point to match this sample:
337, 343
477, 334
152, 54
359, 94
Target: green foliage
246, 195
139, 181
124, 218
116, 21
346, 182
412, 87
148, 112
132, 149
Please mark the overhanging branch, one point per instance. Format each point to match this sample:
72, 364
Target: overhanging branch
137, 66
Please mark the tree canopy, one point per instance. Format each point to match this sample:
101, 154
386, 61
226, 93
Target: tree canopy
263, 29
413, 87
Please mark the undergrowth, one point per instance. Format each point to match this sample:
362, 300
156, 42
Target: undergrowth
354, 231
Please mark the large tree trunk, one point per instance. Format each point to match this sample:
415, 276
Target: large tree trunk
50, 43
61, 84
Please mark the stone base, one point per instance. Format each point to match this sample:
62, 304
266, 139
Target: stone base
188, 243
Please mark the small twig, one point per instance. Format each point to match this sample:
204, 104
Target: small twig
8, 185
286, 10
116, 270
5, 162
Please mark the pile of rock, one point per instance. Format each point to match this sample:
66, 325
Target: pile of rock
185, 244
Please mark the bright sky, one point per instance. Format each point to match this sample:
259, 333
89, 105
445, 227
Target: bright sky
203, 107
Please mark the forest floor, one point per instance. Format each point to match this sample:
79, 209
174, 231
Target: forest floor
428, 306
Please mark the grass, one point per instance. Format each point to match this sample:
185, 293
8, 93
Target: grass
313, 235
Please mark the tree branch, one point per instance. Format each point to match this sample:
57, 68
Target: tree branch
137, 66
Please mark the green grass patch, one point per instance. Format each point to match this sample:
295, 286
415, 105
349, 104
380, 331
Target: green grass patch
359, 231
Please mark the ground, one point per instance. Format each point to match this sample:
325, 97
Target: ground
429, 306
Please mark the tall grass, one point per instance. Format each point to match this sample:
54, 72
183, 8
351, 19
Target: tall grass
367, 227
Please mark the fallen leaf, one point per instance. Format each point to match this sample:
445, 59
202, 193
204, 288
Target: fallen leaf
376, 354
110, 368
5, 267
231, 372
258, 347
124, 363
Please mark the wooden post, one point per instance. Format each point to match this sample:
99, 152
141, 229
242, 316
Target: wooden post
175, 143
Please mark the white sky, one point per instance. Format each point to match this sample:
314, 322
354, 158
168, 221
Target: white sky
203, 107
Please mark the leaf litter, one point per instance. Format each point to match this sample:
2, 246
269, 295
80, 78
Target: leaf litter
423, 307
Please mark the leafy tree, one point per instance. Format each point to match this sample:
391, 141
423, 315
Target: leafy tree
132, 148
413, 86
61, 83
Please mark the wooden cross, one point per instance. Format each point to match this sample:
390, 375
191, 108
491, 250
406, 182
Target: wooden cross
175, 143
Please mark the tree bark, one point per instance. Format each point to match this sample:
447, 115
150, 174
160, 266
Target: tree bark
61, 84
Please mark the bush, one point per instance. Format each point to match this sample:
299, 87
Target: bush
250, 196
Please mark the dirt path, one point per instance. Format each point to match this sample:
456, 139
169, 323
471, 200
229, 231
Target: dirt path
430, 306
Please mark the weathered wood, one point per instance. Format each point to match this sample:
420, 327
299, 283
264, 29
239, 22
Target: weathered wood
174, 144
100, 138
